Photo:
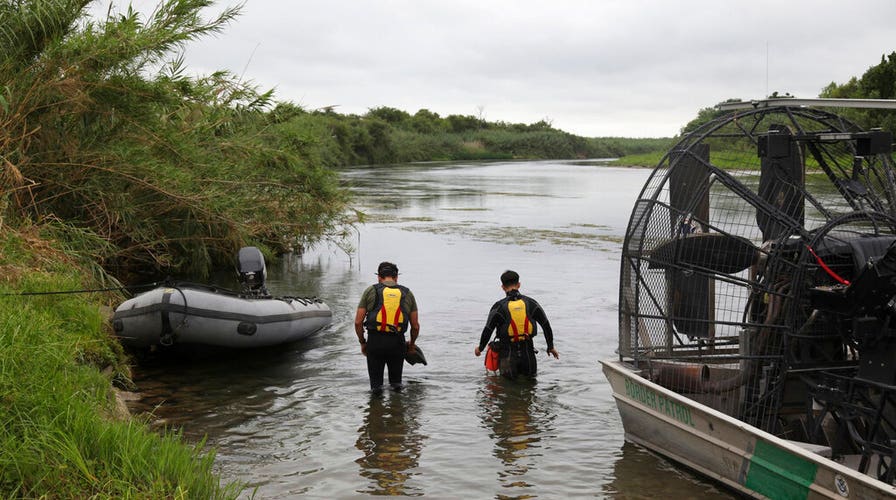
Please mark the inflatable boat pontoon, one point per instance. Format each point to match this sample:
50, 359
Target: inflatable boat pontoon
189, 313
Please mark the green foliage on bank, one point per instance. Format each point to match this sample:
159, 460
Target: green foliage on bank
387, 135
163, 172
62, 432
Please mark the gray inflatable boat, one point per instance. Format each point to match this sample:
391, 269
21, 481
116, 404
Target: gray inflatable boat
197, 314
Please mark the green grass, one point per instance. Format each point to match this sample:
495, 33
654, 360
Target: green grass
60, 433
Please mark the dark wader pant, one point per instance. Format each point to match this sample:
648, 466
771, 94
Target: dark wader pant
518, 358
385, 349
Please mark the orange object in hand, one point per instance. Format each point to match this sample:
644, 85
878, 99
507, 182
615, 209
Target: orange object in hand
491, 359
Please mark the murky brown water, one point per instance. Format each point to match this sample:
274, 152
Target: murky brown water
301, 421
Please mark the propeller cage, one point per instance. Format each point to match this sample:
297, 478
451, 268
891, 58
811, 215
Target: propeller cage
762, 248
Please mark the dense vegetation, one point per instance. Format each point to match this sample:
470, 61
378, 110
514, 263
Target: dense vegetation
387, 135
146, 172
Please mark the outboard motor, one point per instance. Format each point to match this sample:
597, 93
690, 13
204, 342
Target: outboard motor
252, 272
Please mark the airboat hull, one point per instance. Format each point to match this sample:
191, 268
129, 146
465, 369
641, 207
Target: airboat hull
739, 456
204, 316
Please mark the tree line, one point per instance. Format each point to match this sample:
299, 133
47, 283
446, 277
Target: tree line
388, 135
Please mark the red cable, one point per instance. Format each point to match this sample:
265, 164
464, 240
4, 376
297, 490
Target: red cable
826, 268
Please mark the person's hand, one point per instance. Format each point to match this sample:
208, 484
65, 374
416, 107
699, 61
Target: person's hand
364, 348
476, 351
411, 348
553, 352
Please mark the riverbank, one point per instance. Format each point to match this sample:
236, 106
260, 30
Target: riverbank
645, 160
64, 434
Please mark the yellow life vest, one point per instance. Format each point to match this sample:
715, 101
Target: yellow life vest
520, 328
389, 316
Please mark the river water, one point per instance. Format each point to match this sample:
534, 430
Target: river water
301, 420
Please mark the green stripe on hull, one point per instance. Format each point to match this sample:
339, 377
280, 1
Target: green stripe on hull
779, 474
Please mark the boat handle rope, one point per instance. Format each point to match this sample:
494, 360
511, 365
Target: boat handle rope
307, 301
169, 334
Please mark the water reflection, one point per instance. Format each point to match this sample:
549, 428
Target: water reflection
629, 481
390, 440
515, 423
216, 391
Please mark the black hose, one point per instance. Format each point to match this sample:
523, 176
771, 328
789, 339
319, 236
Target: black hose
86, 290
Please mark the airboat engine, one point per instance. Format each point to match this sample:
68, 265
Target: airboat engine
252, 272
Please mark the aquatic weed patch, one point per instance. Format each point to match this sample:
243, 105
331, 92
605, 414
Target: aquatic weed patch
517, 235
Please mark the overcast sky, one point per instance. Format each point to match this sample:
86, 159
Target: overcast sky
632, 68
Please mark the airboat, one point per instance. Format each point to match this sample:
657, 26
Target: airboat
757, 303
203, 316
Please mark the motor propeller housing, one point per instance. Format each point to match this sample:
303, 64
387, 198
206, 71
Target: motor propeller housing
252, 271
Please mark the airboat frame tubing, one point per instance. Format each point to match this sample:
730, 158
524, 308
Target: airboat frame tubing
818, 101
741, 457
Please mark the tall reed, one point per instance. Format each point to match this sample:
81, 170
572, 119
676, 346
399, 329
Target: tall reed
154, 170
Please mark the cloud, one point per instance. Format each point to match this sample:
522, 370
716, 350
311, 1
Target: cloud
638, 68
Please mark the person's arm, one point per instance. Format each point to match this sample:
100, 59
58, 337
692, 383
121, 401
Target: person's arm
359, 328
368, 300
490, 325
413, 319
542, 319
483, 340
415, 331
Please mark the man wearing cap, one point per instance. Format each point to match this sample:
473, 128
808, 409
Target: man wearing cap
385, 311
515, 318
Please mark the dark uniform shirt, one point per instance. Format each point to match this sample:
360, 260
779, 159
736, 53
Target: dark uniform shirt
499, 318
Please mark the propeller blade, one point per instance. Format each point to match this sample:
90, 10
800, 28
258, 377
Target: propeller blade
718, 252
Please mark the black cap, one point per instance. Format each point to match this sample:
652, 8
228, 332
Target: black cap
387, 269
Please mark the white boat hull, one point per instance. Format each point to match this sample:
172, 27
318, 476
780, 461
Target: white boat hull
198, 315
740, 456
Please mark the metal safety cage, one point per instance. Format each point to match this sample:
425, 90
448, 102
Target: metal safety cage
758, 274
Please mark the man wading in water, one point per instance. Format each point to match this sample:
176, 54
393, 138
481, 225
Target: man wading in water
515, 317
385, 310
